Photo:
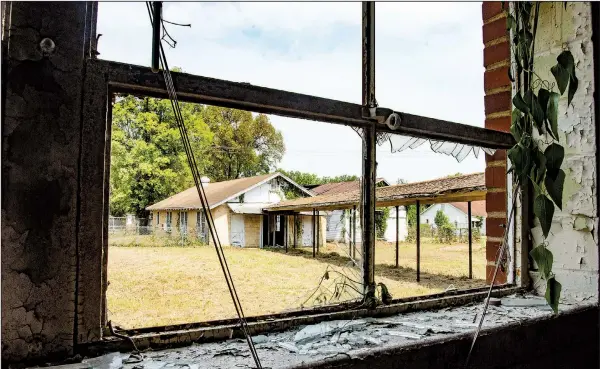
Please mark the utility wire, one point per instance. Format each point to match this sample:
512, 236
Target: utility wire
203, 199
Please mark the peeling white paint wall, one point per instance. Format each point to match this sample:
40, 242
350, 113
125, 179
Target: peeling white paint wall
573, 237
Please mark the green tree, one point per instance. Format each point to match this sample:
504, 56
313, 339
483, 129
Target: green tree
301, 178
441, 219
148, 162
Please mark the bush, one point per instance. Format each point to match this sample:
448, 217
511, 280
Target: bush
426, 232
446, 233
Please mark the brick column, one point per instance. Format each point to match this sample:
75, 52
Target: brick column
496, 60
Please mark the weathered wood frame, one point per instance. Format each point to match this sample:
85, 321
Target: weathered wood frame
103, 79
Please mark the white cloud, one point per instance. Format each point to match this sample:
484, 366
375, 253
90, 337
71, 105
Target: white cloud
429, 62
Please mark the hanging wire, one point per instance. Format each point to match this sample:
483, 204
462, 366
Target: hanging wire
203, 199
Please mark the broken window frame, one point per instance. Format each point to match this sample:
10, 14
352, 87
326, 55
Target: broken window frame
104, 79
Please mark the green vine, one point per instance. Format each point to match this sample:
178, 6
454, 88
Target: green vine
535, 125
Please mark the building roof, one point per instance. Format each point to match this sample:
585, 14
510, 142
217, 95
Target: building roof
477, 208
469, 187
217, 193
339, 187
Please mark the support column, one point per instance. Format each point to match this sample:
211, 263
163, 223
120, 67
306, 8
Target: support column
273, 242
295, 231
418, 241
470, 240
51, 273
369, 144
397, 233
285, 233
313, 233
354, 232
318, 230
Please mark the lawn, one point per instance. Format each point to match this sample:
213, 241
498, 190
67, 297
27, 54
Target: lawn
151, 286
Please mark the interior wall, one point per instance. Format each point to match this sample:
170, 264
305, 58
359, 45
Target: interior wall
573, 237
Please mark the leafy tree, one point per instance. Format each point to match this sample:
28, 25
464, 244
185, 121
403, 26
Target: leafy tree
304, 178
148, 162
441, 219
457, 174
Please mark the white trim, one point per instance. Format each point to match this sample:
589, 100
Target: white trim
275, 175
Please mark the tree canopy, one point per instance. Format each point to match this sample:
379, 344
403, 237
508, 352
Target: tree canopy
304, 178
148, 162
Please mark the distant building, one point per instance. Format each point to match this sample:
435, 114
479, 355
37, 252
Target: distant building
457, 214
236, 207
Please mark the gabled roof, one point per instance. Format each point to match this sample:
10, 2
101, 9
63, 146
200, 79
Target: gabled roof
477, 208
469, 187
339, 187
218, 193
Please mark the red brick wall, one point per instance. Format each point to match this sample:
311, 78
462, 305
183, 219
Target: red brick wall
496, 60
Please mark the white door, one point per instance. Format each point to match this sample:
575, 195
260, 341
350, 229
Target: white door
307, 232
237, 230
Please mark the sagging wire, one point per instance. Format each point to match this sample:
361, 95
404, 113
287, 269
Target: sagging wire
203, 199
498, 258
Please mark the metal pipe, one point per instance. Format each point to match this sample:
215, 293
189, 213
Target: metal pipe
397, 233
313, 232
354, 232
156, 22
369, 157
470, 240
285, 233
418, 241
295, 231
318, 230
140, 81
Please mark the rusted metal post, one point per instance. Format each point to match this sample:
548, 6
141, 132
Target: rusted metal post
470, 240
369, 159
313, 233
418, 241
285, 233
354, 232
156, 22
397, 233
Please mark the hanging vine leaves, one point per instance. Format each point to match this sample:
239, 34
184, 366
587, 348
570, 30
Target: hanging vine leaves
544, 259
554, 186
529, 164
543, 208
553, 288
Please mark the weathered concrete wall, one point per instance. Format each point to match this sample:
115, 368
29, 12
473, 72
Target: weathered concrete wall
252, 230
40, 164
573, 237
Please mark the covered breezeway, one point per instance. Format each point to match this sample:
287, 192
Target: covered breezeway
464, 188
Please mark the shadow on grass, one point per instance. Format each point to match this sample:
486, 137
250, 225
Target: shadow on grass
403, 274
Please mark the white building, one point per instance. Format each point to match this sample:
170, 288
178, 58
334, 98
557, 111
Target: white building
457, 214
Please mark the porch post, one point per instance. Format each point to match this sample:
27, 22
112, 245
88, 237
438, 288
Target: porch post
313, 232
470, 240
285, 233
295, 231
397, 233
273, 243
418, 241
354, 232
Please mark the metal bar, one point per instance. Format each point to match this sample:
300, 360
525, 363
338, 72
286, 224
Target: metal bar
369, 156
285, 233
295, 231
139, 80
156, 22
274, 242
397, 233
470, 240
313, 232
418, 241
354, 232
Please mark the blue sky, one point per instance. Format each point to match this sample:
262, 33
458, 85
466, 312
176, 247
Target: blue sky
429, 62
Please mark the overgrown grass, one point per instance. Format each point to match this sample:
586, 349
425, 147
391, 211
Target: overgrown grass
152, 286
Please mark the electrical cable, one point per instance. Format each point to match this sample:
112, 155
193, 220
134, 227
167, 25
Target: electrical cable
203, 199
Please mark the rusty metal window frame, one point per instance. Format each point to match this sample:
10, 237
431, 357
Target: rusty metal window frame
104, 79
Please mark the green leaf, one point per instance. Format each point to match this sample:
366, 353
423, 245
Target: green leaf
552, 113
553, 288
510, 22
554, 186
543, 208
573, 84
515, 128
536, 112
544, 259
562, 77
520, 104
543, 97
540, 164
554, 154
514, 154
566, 60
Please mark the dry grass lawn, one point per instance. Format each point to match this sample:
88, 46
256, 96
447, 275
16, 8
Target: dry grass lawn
152, 286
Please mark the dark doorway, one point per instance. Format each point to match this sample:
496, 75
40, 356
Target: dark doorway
274, 224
